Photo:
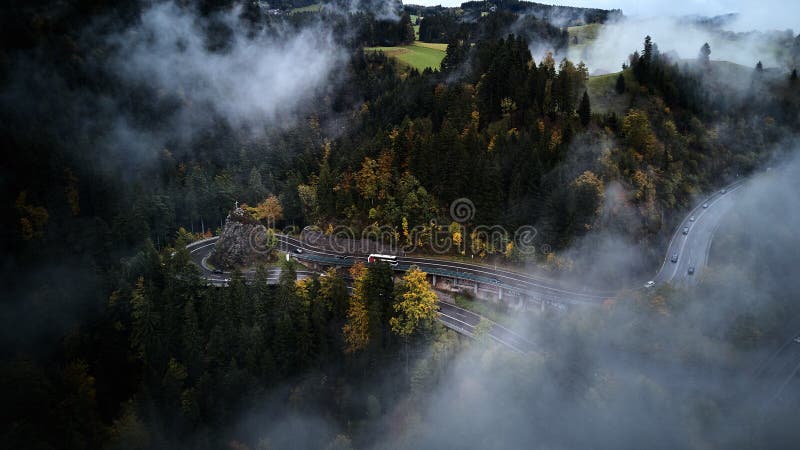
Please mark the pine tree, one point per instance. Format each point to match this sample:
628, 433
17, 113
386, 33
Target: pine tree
705, 52
145, 322
455, 54
192, 341
255, 187
378, 290
793, 76
326, 196
647, 55
406, 30
620, 84
585, 110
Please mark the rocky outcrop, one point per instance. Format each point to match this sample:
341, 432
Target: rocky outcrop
237, 245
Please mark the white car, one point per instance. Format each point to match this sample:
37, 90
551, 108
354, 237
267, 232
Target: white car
796, 339
705, 205
691, 219
650, 284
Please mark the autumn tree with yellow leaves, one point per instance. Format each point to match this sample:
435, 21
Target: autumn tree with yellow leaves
270, 210
415, 306
356, 330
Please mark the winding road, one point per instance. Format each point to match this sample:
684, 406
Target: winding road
690, 242
686, 257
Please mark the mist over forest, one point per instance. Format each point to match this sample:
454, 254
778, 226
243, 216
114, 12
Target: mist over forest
607, 195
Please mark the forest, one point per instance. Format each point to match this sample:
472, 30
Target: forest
113, 163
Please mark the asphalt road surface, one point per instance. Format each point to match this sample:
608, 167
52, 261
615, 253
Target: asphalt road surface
692, 239
690, 246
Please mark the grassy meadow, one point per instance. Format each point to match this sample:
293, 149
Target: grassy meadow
419, 55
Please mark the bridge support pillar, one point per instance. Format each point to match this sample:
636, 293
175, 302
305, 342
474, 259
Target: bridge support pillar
499, 293
434, 280
476, 288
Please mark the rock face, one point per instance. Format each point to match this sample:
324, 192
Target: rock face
235, 247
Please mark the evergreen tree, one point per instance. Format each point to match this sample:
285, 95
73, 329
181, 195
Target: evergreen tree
192, 339
255, 187
146, 322
585, 110
378, 291
455, 54
326, 199
705, 52
406, 30
620, 87
647, 55
793, 76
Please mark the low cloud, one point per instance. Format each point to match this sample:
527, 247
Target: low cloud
639, 375
381, 9
674, 35
254, 81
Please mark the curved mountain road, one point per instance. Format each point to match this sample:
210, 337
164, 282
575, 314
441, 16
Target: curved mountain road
690, 242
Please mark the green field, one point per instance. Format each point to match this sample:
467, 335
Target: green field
603, 95
418, 55
310, 8
416, 27
583, 33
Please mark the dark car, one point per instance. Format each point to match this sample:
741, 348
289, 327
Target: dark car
674, 258
216, 272
685, 231
691, 270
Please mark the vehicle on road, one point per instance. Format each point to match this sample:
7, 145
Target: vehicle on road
495, 281
216, 272
691, 270
685, 231
705, 205
674, 258
691, 219
344, 256
724, 191
298, 250
796, 339
650, 284
375, 257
